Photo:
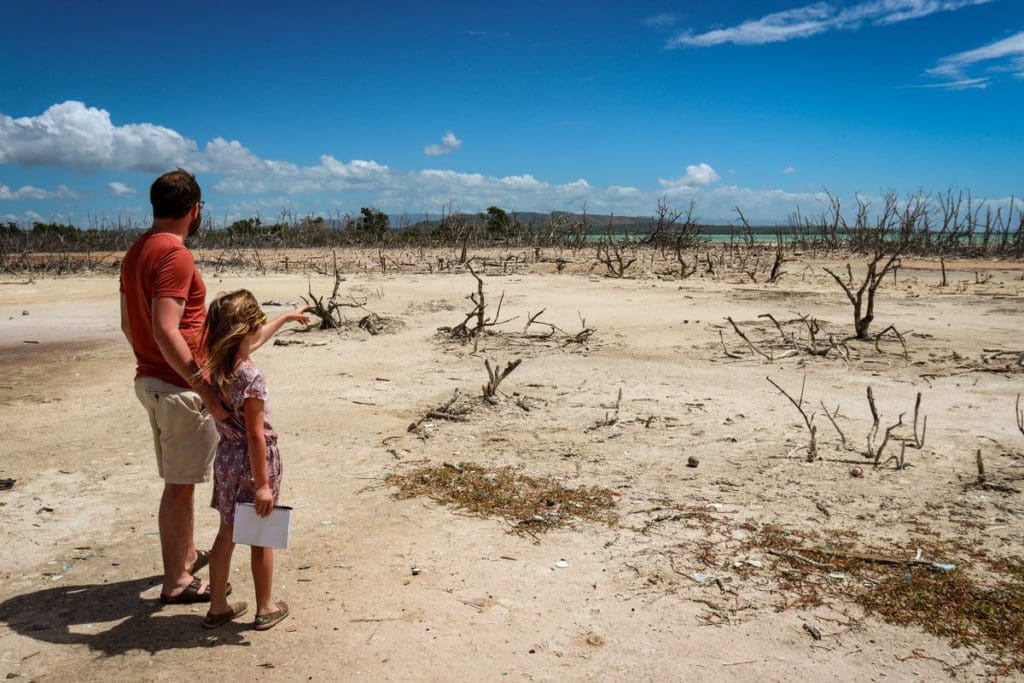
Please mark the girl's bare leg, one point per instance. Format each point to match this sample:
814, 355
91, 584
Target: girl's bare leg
220, 568
263, 578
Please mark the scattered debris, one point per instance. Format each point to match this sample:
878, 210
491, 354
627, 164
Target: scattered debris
815, 633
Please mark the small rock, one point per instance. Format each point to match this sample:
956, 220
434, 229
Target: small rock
856, 471
692, 461
416, 571
24, 312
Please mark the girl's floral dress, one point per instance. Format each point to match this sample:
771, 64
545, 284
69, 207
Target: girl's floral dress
232, 473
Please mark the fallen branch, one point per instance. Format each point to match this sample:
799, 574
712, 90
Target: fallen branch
443, 412
892, 328
728, 353
744, 338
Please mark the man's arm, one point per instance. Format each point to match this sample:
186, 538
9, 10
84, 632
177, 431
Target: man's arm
125, 327
167, 315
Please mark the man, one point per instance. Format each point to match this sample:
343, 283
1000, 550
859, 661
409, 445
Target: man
163, 308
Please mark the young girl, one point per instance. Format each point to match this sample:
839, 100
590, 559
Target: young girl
248, 465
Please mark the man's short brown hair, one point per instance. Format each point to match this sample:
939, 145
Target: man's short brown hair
174, 194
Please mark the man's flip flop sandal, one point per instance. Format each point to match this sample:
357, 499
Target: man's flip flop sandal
271, 619
212, 620
190, 595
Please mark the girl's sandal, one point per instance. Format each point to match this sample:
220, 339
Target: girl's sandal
271, 619
212, 620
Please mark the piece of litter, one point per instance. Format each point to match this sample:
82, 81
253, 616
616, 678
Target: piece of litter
701, 577
416, 571
561, 564
754, 563
944, 566
326, 522
150, 533
838, 576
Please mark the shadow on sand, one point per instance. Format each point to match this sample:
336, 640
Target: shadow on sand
113, 618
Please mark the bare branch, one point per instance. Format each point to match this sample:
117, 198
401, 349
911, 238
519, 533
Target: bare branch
812, 447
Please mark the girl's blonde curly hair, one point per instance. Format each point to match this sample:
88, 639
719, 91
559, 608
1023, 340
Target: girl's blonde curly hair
231, 318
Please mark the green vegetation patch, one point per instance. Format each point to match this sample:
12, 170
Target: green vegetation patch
956, 606
980, 608
529, 504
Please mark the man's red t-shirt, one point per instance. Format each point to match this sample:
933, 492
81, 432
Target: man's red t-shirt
158, 264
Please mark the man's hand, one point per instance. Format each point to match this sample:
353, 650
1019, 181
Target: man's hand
213, 401
263, 500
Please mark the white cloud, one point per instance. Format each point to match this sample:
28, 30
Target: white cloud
223, 156
71, 135
120, 190
700, 175
331, 175
663, 21
30, 192
24, 192
789, 170
449, 143
1006, 55
810, 20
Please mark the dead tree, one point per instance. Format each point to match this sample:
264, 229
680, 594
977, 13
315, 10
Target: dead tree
776, 271
495, 376
915, 442
864, 306
609, 253
329, 309
463, 332
812, 446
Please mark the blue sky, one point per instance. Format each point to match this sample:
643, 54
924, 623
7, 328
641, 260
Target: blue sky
326, 107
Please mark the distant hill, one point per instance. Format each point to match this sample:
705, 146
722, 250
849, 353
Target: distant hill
596, 223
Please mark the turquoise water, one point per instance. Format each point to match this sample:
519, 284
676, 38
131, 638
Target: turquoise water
712, 237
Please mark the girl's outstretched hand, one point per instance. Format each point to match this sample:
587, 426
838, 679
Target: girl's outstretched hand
299, 315
263, 501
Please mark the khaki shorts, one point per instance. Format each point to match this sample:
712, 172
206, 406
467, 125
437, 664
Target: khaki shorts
184, 434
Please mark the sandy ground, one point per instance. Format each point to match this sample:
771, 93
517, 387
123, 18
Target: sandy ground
80, 567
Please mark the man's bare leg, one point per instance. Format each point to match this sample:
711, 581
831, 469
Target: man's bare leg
177, 512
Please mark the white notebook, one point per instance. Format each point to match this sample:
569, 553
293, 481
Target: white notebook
271, 531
